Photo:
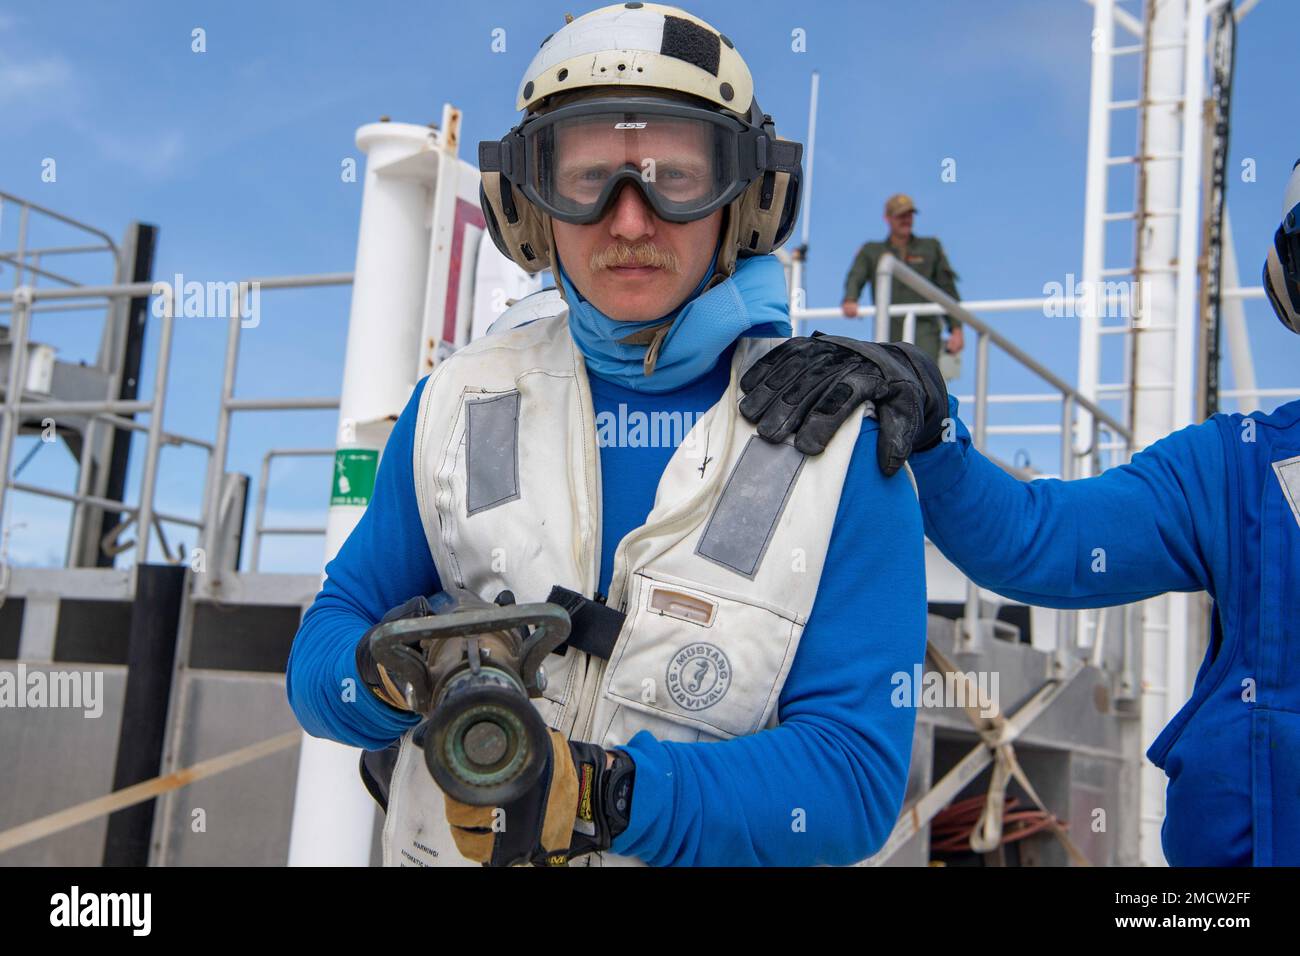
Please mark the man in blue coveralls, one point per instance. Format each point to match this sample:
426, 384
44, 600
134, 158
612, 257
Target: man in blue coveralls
1212, 507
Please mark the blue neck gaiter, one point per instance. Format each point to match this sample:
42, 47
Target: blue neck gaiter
752, 302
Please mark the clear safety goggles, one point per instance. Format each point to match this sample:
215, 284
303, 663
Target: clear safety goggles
686, 161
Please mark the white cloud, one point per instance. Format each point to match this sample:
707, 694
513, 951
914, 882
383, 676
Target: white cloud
156, 155
49, 85
23, 80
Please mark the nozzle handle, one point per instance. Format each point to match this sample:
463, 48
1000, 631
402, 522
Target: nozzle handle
396, 645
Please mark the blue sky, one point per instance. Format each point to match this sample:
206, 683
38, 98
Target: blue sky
235, 153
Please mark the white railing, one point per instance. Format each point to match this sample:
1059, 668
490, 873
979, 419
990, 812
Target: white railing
20, 403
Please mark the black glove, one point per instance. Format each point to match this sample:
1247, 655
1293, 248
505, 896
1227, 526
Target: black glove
372, 673
808, 386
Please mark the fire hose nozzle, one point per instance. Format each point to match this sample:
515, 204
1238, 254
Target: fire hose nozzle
471, 670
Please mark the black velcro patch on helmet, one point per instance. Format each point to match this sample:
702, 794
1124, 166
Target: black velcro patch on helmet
687, 40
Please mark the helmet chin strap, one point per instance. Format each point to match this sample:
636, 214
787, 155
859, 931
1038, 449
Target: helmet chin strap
660, 332
652, 353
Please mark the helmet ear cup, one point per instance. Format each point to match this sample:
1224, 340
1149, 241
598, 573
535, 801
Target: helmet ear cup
789, 208
490, 217
767, 212
768, 209
514, 223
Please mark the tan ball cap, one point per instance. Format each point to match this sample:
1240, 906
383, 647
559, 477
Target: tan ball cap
898, 204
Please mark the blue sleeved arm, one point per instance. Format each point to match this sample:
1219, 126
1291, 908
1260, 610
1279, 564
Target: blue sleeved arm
384, 561
826, 785
1141, 529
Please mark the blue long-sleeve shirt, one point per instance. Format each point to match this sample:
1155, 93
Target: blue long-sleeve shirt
1147, 527
825, 786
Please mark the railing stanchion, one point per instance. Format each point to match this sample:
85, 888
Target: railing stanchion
1067, 621
981, 414
217, 463
149, 479
14, 383
262, 480
884, 292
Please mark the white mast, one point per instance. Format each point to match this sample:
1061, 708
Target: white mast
1159, 341
413, 301
333, 816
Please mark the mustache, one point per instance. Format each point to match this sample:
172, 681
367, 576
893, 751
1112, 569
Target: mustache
641, 254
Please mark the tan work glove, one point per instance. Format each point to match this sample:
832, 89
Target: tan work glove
580, 804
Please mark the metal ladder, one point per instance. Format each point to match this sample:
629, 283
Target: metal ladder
1156, 389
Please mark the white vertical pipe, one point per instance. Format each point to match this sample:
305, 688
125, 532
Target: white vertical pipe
333, 816
798, 296
1189, 219
1094, 202
1163, 369
1153, 369
1179, 643
808, 166
1234, 325
798, 299
1094, 255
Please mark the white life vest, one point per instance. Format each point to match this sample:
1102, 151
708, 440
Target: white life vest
717, 585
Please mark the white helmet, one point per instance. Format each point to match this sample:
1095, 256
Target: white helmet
654, 83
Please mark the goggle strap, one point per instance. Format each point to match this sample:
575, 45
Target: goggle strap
498, 156
780, 156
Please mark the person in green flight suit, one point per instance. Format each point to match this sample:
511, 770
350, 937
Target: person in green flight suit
926, 256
